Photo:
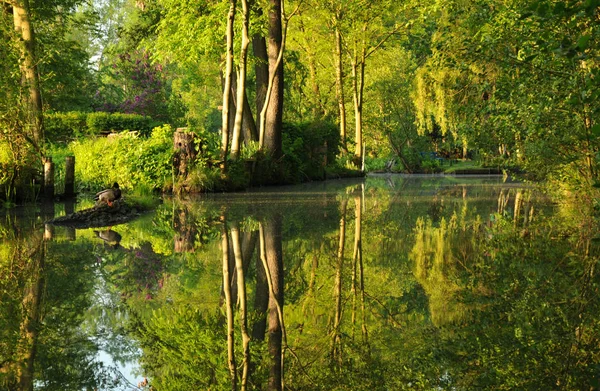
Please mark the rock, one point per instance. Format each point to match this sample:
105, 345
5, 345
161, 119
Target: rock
99, 216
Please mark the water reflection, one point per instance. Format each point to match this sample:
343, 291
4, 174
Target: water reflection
391, 283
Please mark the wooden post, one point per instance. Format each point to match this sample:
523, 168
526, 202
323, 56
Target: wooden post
48, 178
185, 153
69, 176
48, 232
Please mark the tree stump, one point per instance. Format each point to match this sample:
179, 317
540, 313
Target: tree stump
185, 152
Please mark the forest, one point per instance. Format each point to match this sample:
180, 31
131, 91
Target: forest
273, 92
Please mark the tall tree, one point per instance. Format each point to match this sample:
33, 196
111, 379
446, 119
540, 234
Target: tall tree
272, 112
241, 100
228, 75
23, 21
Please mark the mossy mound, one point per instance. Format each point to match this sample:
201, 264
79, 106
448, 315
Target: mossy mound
101, 215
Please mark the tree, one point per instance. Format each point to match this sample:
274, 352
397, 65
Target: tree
26, 42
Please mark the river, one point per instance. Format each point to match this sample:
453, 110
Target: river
384, 283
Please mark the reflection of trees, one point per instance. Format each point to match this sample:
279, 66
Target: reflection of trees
456, 303
536, 324
436, 258
272, 257
28, 262
45, 289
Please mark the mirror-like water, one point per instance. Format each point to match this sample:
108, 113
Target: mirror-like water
386, 283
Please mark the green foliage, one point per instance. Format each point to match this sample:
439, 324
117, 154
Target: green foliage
127, 159
100, 122
308, 147
63, 127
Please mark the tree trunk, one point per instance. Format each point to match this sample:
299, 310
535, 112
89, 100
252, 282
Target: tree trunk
227, 85
339, 84
241, 84
261, 69
358, 81
28, 68
249, 124
272, 113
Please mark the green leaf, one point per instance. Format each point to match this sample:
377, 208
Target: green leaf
583, 41
596, 130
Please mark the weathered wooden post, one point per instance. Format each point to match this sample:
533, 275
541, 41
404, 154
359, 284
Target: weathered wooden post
48, 232
185, 153
69, 176
48, 178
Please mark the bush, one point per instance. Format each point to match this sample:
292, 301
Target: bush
308, 148
127, 159
101, 122
65, 127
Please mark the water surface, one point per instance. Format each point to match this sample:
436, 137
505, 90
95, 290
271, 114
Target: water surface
387, 283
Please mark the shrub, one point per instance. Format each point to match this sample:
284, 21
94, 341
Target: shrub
64, 127
101, 122
308, 147
127, 159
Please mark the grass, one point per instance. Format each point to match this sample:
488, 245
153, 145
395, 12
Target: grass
460, 165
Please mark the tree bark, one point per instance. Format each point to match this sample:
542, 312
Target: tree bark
261, 69
28, 67
358, 82
227, 85
241, 84
274, 110
339, 84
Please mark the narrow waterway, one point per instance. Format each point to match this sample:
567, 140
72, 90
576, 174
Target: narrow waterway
383, 283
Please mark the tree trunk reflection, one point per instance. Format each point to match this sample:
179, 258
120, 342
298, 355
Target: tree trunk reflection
272, 258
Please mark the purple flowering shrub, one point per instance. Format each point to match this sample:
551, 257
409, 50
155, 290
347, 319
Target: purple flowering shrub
136, 87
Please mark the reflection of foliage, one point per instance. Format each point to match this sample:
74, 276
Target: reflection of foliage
183, 349
453, 302
536, 327
65, 352
136, 271
438, 253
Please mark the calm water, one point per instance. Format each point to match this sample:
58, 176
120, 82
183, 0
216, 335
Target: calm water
387, 283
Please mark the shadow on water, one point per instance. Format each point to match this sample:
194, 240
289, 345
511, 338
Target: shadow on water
391, 282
